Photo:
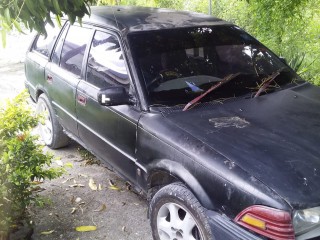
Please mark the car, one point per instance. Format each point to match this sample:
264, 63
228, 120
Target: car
216, 131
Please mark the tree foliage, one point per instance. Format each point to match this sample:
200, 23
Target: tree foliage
33, 14
291, 28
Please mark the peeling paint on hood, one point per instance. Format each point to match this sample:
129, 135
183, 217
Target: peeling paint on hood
224, 122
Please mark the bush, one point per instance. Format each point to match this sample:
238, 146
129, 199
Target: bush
22, 160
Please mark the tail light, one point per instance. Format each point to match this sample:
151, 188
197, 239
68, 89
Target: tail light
269, 222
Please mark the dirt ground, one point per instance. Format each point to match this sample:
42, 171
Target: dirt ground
117, 212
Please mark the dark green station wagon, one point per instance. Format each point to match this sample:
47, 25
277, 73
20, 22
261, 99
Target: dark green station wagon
217, 132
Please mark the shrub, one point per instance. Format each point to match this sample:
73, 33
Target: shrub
22, 160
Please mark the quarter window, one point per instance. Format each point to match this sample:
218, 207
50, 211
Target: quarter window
44, 44
106, 65
73, 49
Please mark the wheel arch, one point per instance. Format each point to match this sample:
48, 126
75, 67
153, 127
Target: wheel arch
39, 92
167, 171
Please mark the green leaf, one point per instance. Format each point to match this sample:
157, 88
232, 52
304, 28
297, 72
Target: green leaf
49, 20
17, 26
86, 228
58, 20
32, 8
80, 21
77, 3
68, 165
7, 15
114, 188
72, 18
4, 38
42, 6
56, 6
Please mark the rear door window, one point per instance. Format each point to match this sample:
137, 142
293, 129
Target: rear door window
73, 49
44, 44
106, 65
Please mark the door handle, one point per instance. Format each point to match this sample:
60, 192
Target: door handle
49, 79
81, 99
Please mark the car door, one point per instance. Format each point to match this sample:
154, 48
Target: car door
63, 73
37, 59
110, 132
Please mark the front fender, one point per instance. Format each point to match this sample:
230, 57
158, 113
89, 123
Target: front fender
179, 172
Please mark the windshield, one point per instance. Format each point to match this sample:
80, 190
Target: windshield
178, 65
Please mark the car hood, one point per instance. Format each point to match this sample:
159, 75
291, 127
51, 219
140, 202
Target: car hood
275, 138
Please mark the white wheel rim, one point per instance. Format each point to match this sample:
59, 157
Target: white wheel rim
174, 223
45, 124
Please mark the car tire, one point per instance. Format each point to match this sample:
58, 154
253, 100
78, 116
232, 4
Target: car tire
50, 129
175, 213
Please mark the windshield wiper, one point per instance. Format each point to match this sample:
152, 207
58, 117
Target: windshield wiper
219, 84
266, 82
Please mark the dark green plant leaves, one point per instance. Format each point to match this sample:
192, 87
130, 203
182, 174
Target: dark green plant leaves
33, 14
21, 161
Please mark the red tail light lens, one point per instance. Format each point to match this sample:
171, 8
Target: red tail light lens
272, 223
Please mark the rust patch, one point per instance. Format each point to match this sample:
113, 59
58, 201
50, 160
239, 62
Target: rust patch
224, 122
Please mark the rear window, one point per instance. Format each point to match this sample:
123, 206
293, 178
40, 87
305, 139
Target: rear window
44, 44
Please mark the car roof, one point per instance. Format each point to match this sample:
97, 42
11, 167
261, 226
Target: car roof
128, 19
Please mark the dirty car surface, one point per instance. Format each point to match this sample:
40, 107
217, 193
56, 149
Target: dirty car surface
217, 131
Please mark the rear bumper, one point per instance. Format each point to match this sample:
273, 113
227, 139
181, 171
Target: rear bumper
225, 229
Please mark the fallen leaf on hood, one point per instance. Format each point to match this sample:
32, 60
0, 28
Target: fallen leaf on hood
102, 208
47, 233
93, 185
78, 199
99, 187
124, 228
86, 228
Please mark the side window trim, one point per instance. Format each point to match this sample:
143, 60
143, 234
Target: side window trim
86, 55
119, 39
62, 36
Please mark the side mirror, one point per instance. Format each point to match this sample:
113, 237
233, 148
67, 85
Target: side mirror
114, 96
